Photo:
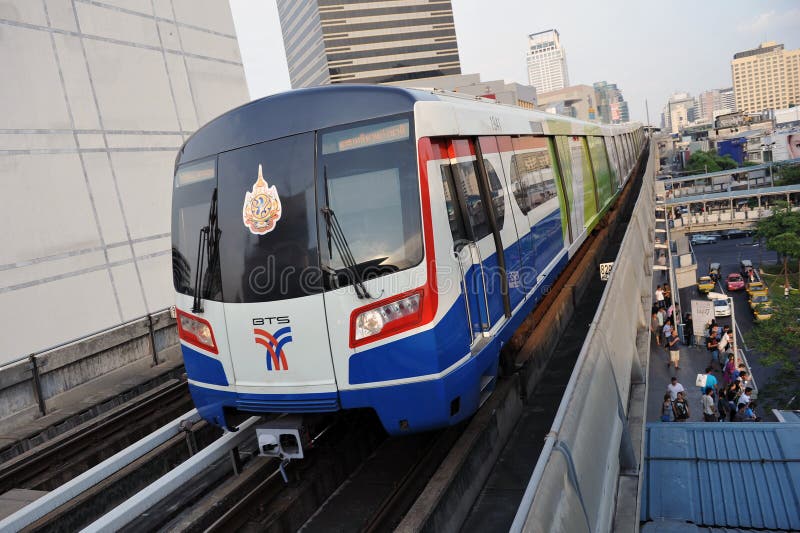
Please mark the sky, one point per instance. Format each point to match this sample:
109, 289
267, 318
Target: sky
650, 49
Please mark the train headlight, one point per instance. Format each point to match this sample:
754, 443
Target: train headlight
194, 330
385, 318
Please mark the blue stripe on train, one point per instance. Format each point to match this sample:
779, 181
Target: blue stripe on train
201, 367
436, 349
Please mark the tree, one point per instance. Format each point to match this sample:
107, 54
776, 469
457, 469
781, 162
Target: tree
789, 174
780, 231
777, 343
787, 244
710, 162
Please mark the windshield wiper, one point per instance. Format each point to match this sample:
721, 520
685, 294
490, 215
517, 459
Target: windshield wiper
336, 235
205, 246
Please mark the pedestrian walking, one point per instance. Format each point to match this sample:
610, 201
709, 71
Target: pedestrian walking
744, 398
709, 410
655, 328
666, 409
680, 408
689, 330
674, 388
674, 345
712, 345
659, 296
728, 371
667, 295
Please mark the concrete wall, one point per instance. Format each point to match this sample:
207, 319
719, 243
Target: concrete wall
96, 98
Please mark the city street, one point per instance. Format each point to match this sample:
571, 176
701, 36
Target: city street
729, 253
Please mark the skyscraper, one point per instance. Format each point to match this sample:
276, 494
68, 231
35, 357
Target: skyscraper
350, 41
767, 77
547, 62
714, 101
612, 108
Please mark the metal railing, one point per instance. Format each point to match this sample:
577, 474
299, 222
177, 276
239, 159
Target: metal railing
34, 360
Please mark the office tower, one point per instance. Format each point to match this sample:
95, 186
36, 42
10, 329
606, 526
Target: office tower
767, 77
350, 41
611, 106
679, 112
547, 62
715, 101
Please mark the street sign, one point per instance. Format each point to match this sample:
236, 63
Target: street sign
702, 314
605, 270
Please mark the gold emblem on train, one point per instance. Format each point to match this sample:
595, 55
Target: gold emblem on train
262, 206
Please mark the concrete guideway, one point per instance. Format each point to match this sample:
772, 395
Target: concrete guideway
592, 454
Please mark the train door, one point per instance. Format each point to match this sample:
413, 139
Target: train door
479, 250
496, 153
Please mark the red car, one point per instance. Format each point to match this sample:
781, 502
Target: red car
735, 282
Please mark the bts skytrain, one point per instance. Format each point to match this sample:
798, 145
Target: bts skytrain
374, 247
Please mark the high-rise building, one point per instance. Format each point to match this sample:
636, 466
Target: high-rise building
727, 100
719, 101
351, 41
767, 77
576, 101
679, 112
547, 62
611, 106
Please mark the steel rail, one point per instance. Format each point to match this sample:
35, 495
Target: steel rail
171, 482
26, 466
54, 499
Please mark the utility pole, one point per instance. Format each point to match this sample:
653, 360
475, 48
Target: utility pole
647, 111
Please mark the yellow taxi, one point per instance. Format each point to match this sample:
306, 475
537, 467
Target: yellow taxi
758, 300
756, 287
762, 312
705, 284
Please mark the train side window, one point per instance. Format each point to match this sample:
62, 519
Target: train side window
465, 178
498, 194
453, 206
532, 173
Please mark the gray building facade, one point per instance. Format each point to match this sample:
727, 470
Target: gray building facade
352, 41
97, 97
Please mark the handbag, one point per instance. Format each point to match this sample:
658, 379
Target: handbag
700, 381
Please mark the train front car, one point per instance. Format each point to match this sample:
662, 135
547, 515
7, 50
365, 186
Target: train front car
304, 264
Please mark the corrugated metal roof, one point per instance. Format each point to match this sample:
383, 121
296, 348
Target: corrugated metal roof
733, 475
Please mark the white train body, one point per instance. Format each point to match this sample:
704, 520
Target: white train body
411, 325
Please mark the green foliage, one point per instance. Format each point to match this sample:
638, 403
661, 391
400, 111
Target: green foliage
776, 342
749, 164
787, 174
710, 162
783, 220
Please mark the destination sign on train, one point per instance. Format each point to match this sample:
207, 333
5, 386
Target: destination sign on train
364, 136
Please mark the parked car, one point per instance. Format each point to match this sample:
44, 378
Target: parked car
702, 238
762, 312
735, 233
735, 282
705, 284
759, 299
756, 287
722, 306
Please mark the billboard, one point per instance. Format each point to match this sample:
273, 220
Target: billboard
787, 146
702, 314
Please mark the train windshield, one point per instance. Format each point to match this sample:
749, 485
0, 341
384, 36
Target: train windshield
264, 242
267, 213
369, 180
